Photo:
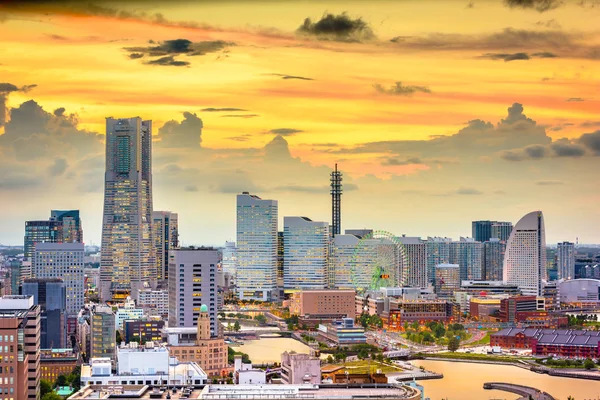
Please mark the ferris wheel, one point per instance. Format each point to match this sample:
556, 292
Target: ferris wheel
377, 262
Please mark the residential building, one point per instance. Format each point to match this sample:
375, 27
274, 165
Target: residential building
341, 253
447, 280
525, 257
50, 295
501, 230
56, 362
580, 292
415, 270
320, 305
20, 336
438, 252
230, 259
193, 282
154, 302
306, 245
565, 259
300, 369
165, 230
127, 311
63, 261
493, 259
44, 231
128, 256
481, 230
72, 229
467, 253
143, 330
342, 332
103, 333
256, 247
199, 345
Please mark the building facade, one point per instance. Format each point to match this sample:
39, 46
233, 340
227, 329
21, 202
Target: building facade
154, 302
63, 261
230, 259
467, 253
501, 230
44, 231
127, 311
56, 362
165, 229
72, 228
193, 282
565, 260
525, 257
341, 253
143, 330
256, 226
306, 245
447, 280
416, 258
580, 292
102, 333
323, 304
50, 295
128, 256
300, 369
438, 252
493, 259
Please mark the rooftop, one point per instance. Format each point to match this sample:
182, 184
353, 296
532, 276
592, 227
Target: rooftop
251, 392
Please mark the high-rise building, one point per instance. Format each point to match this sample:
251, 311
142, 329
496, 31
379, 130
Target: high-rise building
280, 257
438, 252
71, 225
20, 333
565, 259
256, 247
50, 295
447, 280
230, 259
493, 259
165, 230
416, 256
306, 244
336, 201
128, 257
467, 253
525, 257
193, 282
64, 261
481, 231
501, 230
341, 253
102, 333
50, 231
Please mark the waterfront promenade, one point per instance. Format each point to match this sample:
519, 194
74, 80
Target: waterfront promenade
525, 392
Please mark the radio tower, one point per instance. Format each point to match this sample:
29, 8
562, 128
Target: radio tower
336, 202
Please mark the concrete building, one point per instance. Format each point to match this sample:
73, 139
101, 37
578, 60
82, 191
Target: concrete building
341, 253
398, 311
438, 252
485, 308
300, 369
483, 231
128, 256
305, 244
127, 311
467, 253
72, 228
580, 292
501, 230
565, 260
493, 259
63, 261
102, 333
193, 282
230, 259
246, 374
50, 295
165, 230
323, 304
521, 308
342, 332
154, 302
256, 247
56, 362
416, 257
20, 333
199, 345
525, 258
489, 287
43, 231
447, 280
143, 330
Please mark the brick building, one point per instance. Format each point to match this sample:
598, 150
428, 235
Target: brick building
546, 342
56, 362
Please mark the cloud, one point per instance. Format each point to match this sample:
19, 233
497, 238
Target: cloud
302, 189
551, 23
591, 141
5, 89
277, 149
59, 112
184, 134
468, 191
559, 148
537, 5
544, 54
339, 27
59, 167
134, 56
396, 161
167, 50
575, 99
228, 109
506, 57
191, 188
564, 148
284, 76
168, 61
398, 89
549, 183
285, 131
240, 116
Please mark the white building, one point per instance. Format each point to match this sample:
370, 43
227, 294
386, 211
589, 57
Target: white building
416, 257
127, 311
305, 246
154, 302
245, 374
579, 291
64, 261
525, 257
565, 260
256, 247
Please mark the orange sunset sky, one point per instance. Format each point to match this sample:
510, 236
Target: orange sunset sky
439, 112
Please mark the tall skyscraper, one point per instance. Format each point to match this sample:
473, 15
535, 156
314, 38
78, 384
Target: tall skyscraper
416, 256
341, 253
44, 231
128, 258
165, 230
525, 258
64, 261
306, 245
438, 252
50, 295
565, 259
467, 253
336, 201
230, 259
193, 282
71, 225
256, 247
493, 259
501, 230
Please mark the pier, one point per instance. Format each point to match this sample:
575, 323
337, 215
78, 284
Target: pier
525, 392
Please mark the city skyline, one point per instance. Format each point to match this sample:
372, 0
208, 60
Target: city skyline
435, 122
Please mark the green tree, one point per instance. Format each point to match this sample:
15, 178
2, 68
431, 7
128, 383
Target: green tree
261, 319
438, 330
45, 387
51, 396
329, 359
61, 380
376, 321
453, 344
236, 326
588, 364
118, 338
415, 325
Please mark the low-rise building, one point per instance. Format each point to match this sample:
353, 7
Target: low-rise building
56, 362
300, 368
580, 292
485, 308
154, 302
520, 308
143, 330
399, 311
323, 305
342, 332
246, 374
476, 288
127, 312
550, 342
